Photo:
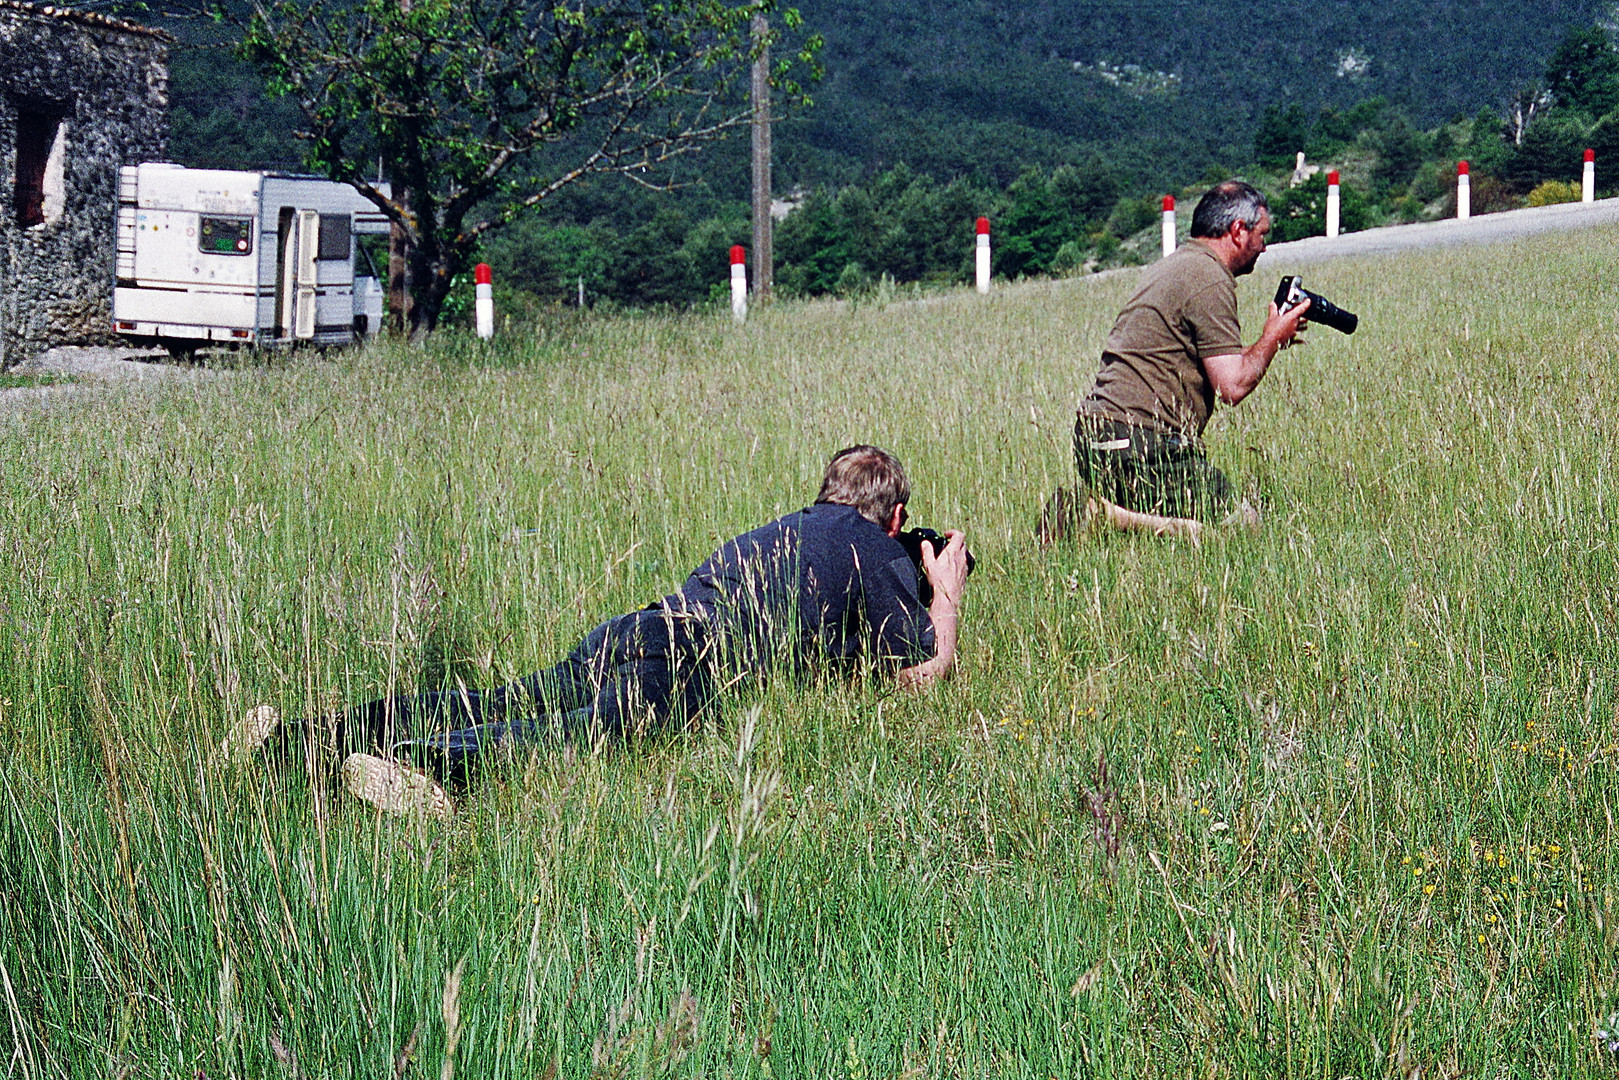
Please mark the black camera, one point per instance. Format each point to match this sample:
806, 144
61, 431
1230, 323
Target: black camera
1291, 293
911, 541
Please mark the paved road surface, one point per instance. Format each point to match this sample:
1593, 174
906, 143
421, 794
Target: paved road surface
1488, 229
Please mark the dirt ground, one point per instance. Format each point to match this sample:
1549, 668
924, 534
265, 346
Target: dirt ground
89, 365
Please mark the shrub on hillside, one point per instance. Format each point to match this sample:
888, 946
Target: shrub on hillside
900, 223
1400, 149
1434, 181
1485, 149
553, 262
1604, 139
1491, 196
1130, 216
1070, 258
1554, 191
1282, 133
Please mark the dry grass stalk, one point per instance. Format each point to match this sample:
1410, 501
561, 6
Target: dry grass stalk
452, 1018
1101, 799
407, 1053
284, 1054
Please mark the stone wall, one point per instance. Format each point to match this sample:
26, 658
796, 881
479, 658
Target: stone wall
104, 82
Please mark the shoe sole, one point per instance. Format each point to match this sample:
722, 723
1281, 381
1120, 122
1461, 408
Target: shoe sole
394, 788
248, 736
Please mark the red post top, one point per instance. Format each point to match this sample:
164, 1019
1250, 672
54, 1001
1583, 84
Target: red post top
738, 255
983, 226
1332, 178
482, 275
1169, 204
1590, 155
1461, 168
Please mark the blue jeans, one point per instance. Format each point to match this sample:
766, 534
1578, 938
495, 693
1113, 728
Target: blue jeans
630, 675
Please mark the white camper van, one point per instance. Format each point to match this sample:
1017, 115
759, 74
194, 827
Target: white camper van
210, 257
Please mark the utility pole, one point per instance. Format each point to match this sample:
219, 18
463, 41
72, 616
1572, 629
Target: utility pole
764, 258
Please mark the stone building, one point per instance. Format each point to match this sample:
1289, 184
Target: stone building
80, 94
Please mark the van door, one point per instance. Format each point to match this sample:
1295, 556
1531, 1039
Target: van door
303, 325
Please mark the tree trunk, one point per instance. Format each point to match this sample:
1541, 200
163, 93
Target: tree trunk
764, 258
398, 280
432, 276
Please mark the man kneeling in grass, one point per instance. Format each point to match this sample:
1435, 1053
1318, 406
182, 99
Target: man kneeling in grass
826, 587
1174, 349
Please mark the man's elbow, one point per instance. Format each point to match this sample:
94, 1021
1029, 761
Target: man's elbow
1233, 392
920, 676
1233, 384
1230, 376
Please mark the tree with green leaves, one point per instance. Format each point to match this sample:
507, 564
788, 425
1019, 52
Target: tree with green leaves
1301, 211
455, 116
1281, 134
1583, 73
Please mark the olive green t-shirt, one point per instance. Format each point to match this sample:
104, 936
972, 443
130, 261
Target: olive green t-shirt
1152, 375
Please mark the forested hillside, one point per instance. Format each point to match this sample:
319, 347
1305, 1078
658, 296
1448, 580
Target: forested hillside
988, 87
1065, 121
1168, 87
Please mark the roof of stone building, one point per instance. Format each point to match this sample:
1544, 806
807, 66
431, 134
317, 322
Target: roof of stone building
86, 18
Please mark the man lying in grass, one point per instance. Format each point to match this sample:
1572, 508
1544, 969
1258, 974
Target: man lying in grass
827, 587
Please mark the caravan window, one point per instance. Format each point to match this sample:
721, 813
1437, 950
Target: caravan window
335, 231
225, 236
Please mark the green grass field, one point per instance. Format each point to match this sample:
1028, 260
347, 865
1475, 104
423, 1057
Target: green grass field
1335, 798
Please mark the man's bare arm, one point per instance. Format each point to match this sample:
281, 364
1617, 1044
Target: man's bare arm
1235, 375
947, 573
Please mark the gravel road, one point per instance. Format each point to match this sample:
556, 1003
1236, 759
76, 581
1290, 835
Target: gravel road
90, 365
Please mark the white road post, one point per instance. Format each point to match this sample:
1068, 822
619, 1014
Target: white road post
1169, 225
981, 254
1588, 181
484, 305
1464, 192
1334, 204
739, 283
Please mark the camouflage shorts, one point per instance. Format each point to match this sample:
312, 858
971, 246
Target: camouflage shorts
1149, 472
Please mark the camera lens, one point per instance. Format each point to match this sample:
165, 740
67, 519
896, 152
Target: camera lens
1327, 313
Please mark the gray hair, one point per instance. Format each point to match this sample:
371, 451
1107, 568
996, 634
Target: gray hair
1224, 205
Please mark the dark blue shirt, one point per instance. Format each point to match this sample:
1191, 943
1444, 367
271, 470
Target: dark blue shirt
819, 585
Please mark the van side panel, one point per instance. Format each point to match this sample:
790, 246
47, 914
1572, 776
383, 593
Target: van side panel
206, 254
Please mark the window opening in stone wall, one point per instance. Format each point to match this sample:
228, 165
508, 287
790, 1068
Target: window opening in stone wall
38, 194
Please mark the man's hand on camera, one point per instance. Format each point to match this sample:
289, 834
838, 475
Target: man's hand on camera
1286, 328
947, 569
